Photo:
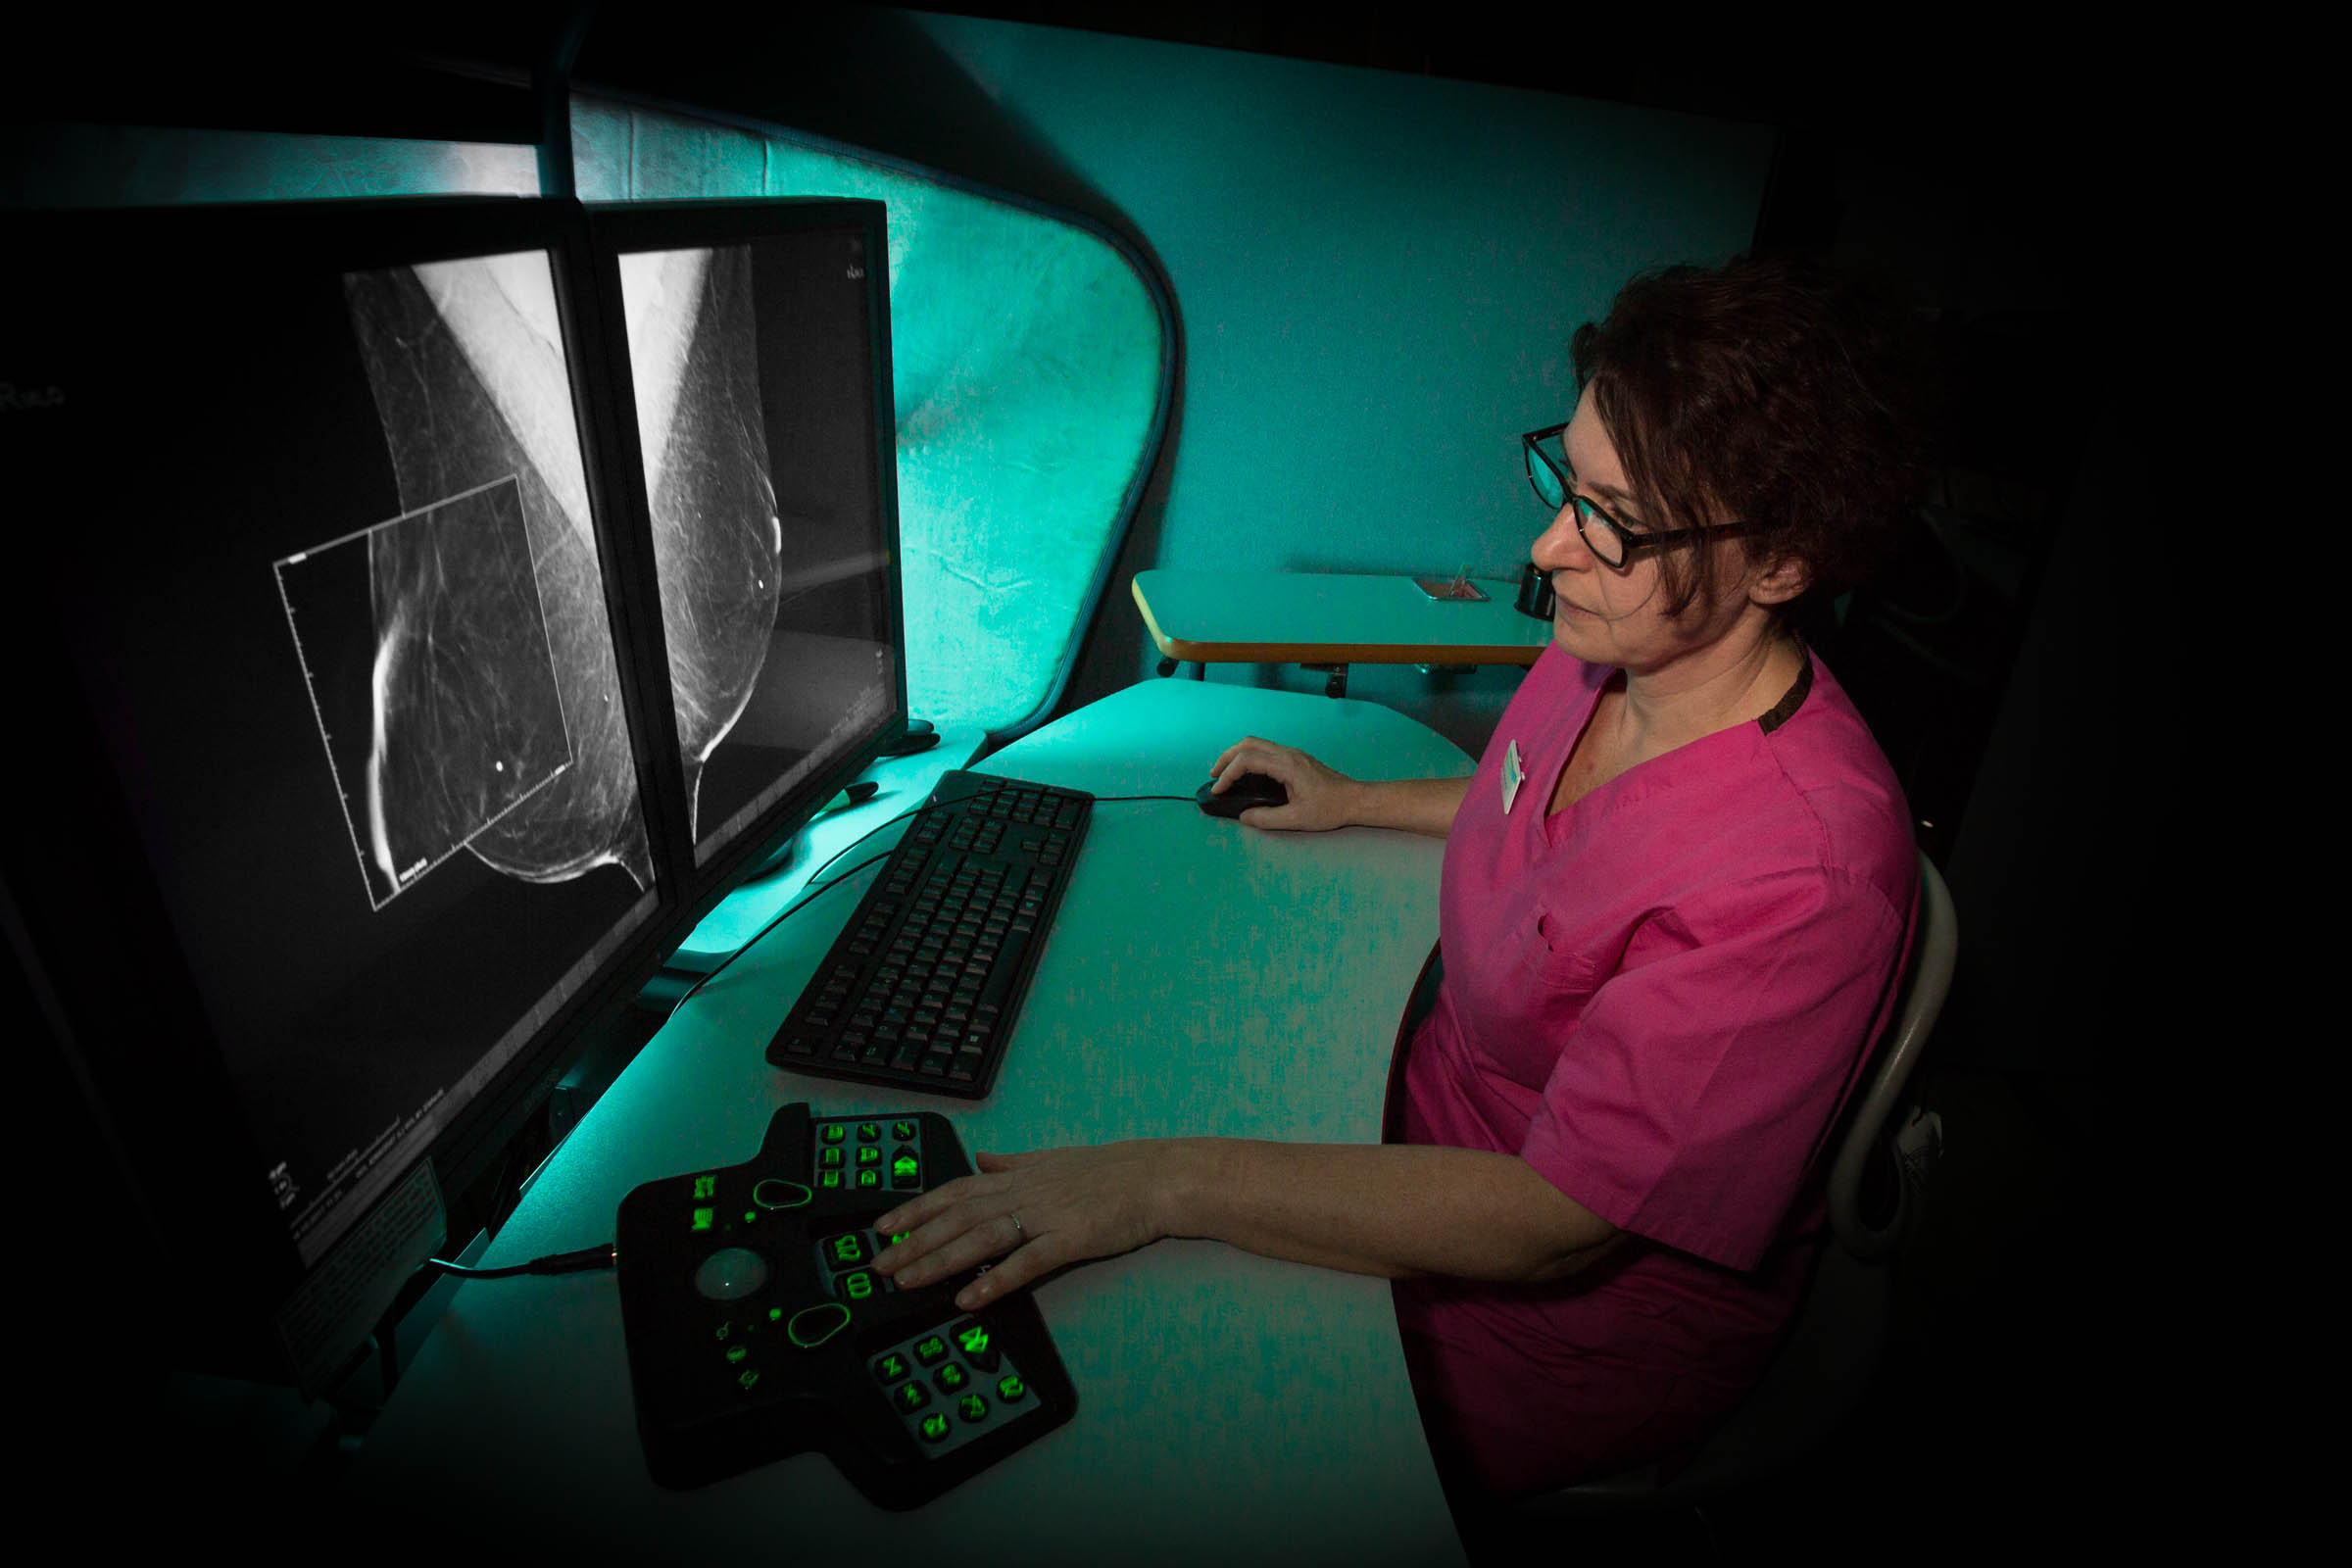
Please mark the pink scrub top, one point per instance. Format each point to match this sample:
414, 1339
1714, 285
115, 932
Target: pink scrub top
1659, 999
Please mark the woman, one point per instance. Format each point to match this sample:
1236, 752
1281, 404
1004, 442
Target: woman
1676, 897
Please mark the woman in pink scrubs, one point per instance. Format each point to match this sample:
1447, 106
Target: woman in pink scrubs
1676, 895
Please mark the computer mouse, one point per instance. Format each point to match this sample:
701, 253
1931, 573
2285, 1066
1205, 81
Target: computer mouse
1251, 789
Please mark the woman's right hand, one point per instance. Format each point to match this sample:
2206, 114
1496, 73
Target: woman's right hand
1320, 798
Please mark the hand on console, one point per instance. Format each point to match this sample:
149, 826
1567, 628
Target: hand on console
1072, 1204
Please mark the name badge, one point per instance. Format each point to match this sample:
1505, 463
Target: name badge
1512, 776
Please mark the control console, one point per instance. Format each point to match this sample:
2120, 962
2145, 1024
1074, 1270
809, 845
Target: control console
757, 1326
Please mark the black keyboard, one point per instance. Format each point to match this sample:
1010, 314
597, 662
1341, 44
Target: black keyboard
921, 989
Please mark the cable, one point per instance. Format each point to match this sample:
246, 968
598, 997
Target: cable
781, 917
816, 889
588, 1257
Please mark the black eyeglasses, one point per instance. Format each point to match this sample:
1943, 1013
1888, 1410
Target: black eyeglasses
1612, 541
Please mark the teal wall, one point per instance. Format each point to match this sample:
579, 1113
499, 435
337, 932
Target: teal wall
1377, 277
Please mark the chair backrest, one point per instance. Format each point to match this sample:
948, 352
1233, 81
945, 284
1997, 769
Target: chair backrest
1935, 950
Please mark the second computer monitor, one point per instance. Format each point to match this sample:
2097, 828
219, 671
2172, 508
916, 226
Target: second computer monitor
758, 357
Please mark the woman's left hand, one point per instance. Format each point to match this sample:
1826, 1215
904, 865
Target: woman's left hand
1039, 1210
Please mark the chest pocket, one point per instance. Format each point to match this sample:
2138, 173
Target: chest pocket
1566, 967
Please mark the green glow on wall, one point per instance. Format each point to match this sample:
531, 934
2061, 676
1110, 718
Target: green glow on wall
1027, 357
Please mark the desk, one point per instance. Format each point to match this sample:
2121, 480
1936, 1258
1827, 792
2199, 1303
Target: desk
1329, 620
1201, 977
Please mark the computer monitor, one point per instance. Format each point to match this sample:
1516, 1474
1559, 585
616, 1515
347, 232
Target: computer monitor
758, 418
337, 821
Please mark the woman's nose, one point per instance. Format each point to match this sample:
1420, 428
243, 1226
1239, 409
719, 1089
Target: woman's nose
1560, 545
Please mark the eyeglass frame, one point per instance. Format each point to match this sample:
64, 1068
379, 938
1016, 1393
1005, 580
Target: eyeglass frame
1584, 507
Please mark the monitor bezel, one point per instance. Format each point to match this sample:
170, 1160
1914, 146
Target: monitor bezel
617, 229
178, 1149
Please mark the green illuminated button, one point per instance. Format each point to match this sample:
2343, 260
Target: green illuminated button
869, 1132
748, 1379
890, 1368
949, 1378
978, 1345
777, 1194
973, 1407
829, 1159
856, 1286
812, 1326
846, 1252
1009, 1387
931, 1352
869, 1157
934, 1427
834, 1132
902, 1131
868, 1177
904, 1171
911, 1397
829, 1179
705, 1187
701, 1219
736, 1354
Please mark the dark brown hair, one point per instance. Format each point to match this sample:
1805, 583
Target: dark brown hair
1772, 391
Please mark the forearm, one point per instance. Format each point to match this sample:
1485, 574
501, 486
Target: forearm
1415, 804
1381, 1208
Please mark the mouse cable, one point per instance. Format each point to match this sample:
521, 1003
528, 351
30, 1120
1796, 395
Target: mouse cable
811, 896
813, 891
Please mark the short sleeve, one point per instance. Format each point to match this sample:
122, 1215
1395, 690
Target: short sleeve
1705, 1073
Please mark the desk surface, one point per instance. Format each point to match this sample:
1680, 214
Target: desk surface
1201, 977
1325, 618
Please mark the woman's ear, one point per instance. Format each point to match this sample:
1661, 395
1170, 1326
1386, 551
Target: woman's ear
1780, 581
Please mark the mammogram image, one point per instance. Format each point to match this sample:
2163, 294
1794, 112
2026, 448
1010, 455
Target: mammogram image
476, 619
717, 541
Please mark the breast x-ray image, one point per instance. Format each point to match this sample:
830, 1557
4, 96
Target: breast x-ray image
460, 656
751, 386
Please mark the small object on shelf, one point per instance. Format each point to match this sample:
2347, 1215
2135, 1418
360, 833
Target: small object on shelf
1457, 588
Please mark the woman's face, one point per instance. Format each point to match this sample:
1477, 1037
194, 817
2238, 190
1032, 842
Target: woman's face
1617, 615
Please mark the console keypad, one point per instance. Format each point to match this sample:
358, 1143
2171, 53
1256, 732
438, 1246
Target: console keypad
750, 1302
868, 1154
951, 1385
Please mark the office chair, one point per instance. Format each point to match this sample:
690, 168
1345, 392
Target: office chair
1820, 1375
